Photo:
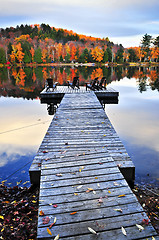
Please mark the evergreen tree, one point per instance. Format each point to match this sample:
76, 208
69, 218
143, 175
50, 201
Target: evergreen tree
105, 57
2, 55
109, 54
145, 44
38, 55
132, 55
27, 58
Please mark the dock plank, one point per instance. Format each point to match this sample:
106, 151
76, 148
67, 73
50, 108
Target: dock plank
78, 161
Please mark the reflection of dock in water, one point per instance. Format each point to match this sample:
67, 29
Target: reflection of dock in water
83, 169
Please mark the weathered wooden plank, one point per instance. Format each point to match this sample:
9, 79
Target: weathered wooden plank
69, 197
79, 174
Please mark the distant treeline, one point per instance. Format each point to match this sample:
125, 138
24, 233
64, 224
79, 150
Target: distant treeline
44, 44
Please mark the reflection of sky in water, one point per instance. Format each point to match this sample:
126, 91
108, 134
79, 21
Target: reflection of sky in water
18, 147
136, 120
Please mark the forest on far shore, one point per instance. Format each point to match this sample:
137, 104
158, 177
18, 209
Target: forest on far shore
28, 44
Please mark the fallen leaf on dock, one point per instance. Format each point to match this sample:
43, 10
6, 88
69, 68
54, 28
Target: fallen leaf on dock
75, 194
55, 206
59, 174
123, 231
53, 223
46, 220
57, 237
45, 151
90, 189
118, 210
41, 213
92, 230
141, 228
116, 184
49, 232
73, 213
145, 221
109, 191
123, 195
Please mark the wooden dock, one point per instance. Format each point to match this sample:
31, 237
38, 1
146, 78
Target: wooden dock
81, 186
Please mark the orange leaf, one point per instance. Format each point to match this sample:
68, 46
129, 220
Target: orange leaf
41, 213
49, 232
73, 213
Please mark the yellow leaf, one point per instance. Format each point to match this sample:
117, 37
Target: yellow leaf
75, 194
33, 201
96, 178
49, 232
57, 237
123, 195
54, 220
2, 229
80, 170
109, 191
1, 217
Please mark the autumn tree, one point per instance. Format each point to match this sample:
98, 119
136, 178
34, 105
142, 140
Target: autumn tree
97, 54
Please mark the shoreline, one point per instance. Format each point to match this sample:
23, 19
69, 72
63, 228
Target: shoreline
129, 64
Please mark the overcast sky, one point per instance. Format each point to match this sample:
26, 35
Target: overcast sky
123, 21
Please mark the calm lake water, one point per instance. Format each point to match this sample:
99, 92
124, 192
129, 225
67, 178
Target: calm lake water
24, 121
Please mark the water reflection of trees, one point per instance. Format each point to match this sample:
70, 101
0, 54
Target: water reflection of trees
28, 82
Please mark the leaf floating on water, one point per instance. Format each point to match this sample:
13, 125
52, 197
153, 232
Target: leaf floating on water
141, 228
92, 230
118, 210
57, 237
123, 231
73, 213
49, 232
123, 195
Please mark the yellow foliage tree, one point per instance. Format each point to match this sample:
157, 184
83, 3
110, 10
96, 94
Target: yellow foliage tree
97, 54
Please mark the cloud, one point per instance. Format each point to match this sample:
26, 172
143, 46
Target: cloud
115, 18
